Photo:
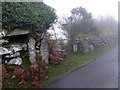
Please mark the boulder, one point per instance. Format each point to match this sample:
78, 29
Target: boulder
13, 55
24, 47
2, 34
4, 51
91, 48
45, 49
75, 48
85, 46
16, 61
16, 48
3, 42
18, 32
32, 51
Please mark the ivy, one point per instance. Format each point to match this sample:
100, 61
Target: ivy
32, 15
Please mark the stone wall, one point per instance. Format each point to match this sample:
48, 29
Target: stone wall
11, 46
36, 45
39, 46
44, 49
84, 45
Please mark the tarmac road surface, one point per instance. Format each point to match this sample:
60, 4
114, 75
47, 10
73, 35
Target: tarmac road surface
101, 73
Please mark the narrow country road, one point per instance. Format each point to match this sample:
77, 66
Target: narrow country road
101, 73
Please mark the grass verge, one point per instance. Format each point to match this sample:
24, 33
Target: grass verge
72, 62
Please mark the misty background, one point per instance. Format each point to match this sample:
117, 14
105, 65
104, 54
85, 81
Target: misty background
102, 11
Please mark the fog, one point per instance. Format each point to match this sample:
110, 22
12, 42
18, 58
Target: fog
98, 8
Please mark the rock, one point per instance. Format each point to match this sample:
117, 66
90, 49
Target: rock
103, 44
44, 49
38, 51
16, 61
85, 46
75, 48
91, 48
37, 47
32, 51
2, 34
3, 42
4, 51
24, 47
13, 55
38, 43
16, 48
86, 50
18, 32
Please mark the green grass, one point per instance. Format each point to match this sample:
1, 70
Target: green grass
73, 61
